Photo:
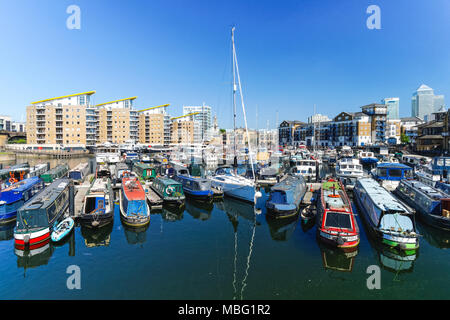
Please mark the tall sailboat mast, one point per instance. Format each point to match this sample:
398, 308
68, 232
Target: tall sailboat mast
234, 90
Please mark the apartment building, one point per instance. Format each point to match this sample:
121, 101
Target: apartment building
377, 113
117, 121
202, 118
182, 131
155, 126
63, 120
5, 123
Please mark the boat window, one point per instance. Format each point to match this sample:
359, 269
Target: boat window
382, 172
440, 162
408, 173
397, 173
338, 220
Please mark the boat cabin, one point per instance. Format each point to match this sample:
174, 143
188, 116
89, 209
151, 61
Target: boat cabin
97, 199
168, 188
392, 171
144, 171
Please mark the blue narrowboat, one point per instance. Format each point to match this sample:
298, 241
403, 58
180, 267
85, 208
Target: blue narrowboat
389, 174
285, 197
80, 172
13, 197
433, 205
194, 187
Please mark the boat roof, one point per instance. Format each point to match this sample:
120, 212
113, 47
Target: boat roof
47, 196
288, 183
433, 193
80, 166
166, 181
59, 167
393, 165
99, 185
143, 165
133, 189
23, 185
382, 198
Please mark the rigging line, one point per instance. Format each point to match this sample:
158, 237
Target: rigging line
235, 260
243, 109
244, 283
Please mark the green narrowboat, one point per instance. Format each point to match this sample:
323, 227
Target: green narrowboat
144, 171
60, 171
169, 190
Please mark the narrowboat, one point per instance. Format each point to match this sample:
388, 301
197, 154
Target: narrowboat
98, 204
38, 170
79, 173
367, 157
285, 197
144, 171
388, 219
169, 190
336, 224
120, 171
60, 171
38, 216
14, 196
348, 170
134, 209
432, 205
194, 187
390, 174
103, 172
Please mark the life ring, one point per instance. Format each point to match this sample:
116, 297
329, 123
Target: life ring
12, 180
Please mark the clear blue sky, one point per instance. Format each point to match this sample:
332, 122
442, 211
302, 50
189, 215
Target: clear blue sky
292, 54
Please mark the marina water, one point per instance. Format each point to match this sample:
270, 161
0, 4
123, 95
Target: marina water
223, 251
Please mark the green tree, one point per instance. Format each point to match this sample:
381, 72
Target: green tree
404, 138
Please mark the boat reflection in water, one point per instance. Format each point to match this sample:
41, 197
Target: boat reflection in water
97, 237
171, 213
7, 231
136, 235
435, 237
34, 258
242, 214
281, 229
335, 259
199, 210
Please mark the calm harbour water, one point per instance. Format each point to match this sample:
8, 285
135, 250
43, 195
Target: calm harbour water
224, 251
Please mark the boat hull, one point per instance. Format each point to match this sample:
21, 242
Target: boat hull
31, 240
244, 193
97, 221
133, 221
